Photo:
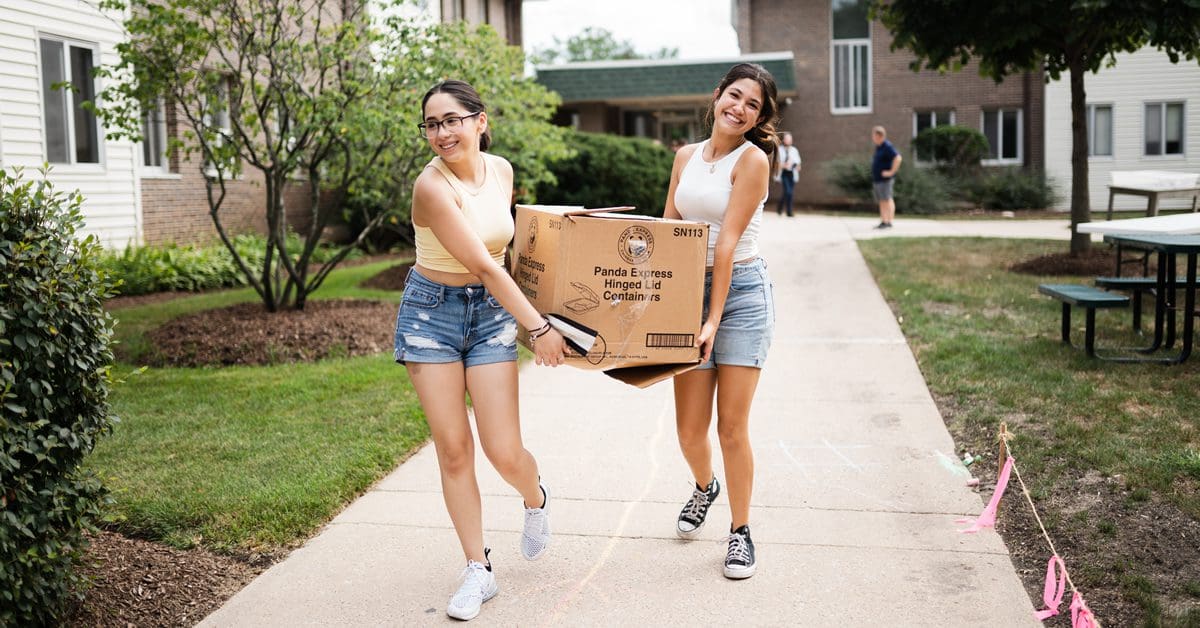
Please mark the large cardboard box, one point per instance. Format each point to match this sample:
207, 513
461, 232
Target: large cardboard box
634, 283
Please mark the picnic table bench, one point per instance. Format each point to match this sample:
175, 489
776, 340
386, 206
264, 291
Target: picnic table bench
1088, 298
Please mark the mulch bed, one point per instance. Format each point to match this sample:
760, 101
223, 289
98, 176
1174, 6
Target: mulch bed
139, 583
391, 278
247, 334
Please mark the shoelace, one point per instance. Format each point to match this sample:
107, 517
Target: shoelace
696, 505
533, 514
471, 578
739, 549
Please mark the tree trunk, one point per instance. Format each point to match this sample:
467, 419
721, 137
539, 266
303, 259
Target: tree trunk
1080, 202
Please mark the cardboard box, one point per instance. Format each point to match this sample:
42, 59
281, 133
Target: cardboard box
633, 283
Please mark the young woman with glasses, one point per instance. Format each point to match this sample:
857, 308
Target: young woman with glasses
456, 331
723, 182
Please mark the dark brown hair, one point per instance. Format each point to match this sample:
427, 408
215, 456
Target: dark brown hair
763, 134
467, 97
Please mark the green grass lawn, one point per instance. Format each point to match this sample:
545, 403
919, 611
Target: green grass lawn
988, 345
251, 459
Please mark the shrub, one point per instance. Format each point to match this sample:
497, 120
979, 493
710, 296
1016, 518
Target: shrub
611, 170
1014, 188
954, 149
918, 190
147, 269
55, 362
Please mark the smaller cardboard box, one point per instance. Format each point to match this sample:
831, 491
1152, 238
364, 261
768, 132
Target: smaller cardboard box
626, 290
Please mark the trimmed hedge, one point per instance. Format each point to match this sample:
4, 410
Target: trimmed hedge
610, 170
55, 362
1013, 188
918, 190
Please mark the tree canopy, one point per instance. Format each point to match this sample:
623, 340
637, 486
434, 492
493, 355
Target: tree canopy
1075, 36
594, 44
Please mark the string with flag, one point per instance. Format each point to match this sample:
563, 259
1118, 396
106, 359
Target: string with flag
1058, 579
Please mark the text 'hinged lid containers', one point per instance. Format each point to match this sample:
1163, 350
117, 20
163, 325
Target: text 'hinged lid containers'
628, 290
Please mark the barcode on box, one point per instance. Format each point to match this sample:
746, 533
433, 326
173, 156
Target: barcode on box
669, 340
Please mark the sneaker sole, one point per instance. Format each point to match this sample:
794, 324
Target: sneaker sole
689, 535
476, 613
740, 573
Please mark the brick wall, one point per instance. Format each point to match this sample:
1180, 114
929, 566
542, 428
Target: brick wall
803, 26
175, 209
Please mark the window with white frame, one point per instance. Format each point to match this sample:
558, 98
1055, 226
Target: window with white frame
154, 137
850, 57
216, 117
1100, 130
927, 120
72, 134
1002, 128
1164, 128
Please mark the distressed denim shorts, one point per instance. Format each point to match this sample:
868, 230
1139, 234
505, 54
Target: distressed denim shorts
440, 324
748, 322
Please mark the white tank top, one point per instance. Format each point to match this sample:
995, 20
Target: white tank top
703, 195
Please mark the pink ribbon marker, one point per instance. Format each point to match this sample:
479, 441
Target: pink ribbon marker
1081, 615
1052, 595
987, 518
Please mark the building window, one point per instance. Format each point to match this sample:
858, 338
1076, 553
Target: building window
927, 120
1164, 128
154, 137
216, 119
850, 57
1002, 128
72, 135
1100, 130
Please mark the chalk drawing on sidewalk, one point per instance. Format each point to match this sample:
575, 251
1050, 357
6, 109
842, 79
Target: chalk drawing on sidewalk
818, 462
951, 464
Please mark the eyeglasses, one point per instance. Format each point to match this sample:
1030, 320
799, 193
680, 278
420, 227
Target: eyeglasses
452, 123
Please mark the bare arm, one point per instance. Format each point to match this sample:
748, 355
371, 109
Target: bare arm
434, 205
895, 167
749, 187
681, 158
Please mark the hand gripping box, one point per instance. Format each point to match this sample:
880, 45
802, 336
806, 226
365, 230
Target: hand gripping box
626, 290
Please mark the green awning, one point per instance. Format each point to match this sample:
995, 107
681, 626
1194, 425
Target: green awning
641, 79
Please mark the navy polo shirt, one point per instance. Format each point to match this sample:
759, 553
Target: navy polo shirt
884, 154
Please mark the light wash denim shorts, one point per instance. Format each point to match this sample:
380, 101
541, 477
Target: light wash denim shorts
748, 323
440, 324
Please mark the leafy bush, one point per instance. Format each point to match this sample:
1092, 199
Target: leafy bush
954, 149
918, 190
611, 170
147, 269
55, 362
1014, 188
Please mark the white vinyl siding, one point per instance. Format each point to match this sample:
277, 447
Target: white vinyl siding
111, 207
1138, 79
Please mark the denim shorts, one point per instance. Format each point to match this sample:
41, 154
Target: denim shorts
883, 189
748, 322
440, 324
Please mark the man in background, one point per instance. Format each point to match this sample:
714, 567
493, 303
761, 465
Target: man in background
787, 172
883, 172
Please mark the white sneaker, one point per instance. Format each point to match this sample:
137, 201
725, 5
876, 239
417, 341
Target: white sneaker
535, 539
478, 586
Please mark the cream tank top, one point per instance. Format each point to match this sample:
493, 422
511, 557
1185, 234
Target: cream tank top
703, 195
486, 210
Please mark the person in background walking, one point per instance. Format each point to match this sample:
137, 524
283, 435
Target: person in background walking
723, 181
456, 331
883, 172
787, 172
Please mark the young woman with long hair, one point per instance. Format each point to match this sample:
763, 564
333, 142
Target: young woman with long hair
723, 181
456, 331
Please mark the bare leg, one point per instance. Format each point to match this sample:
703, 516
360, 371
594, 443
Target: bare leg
735, 392
693, 416
442, 391
888, 210
493, 389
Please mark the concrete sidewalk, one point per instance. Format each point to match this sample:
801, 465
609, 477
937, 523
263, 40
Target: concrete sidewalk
857, 490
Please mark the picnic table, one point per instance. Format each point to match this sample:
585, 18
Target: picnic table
1152, 184
1167, 237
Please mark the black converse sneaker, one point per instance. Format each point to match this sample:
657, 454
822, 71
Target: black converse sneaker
691, 518
739, 560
